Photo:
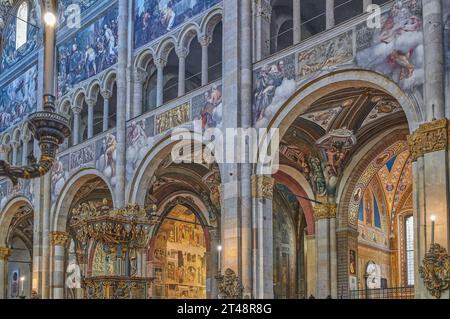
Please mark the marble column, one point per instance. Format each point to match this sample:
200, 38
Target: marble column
297, 21
58, 241
4, 152
139, 76
76, 124
15, 146
325, 216
91, 104
4, 254
205, 41
25, 141
213, 263
182, 54
311, 273
160, 65
121, 102
263, 267
262, 28
106, 96
45, 221
429, 145
329, 13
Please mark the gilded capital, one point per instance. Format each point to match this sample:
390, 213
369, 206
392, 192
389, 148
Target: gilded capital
325, 211
4, 253
262, 187
428, 138
59, 238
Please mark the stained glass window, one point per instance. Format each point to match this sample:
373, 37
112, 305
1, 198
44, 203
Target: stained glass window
21, 25
409, 245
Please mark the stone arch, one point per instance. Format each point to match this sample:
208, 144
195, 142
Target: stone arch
78, 98
310, 92
165, 47
64, 106
189, 32
72, 186
93, 90
7, 215
144, 58
210, 21
108, 81
16, 135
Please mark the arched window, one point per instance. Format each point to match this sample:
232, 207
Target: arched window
409, 250
22, 25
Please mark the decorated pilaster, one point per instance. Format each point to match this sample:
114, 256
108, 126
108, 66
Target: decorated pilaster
262, 193
4, 254
58, 241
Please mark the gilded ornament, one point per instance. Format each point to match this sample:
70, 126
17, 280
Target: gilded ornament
262, 187
4, 253
325, 211
229, 285
435, 270
428, 138
59, 238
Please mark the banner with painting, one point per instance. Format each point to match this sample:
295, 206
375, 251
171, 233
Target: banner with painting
89, 52
154, 18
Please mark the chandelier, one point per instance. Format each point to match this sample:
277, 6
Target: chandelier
47, 127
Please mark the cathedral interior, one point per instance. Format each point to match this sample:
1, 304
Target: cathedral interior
358, 206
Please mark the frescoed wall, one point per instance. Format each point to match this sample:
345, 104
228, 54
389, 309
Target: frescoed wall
396, 49
88, 53
139, 140
65, 9
154, 18
8, 191
10, 55
207, 107
18, 99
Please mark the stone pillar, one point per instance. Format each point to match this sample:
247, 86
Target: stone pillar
4, 254
106, 96
58, 241
205, 41
325, 216
121, 102
91, 104
311, 283
182, 53
262, 28
4, 152
140, 75
15, 146
262, 192
160, 65
76, 124
297, 21
25, 141
213, 262
45, 219
329, 14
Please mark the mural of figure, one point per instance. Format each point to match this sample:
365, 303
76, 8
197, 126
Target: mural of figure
318, 178
73, 272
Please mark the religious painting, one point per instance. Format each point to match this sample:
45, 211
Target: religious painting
324, 57
173, 118
65, 8
106, 156
154, 18
81, 157
368, 207
89, 52
18, 99
59, 175
274, 83
352, 262
139, 141
14, 286
383, 107
395, 49
10, 53
207, 108
323, 118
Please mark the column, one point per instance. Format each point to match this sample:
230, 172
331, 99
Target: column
324, 215
76, 124
106, 96
91, 104
4, 152
329, 14
140, 75
121, 102
160, 64
4, 254
15, 147
25, 141
213, 263
182, 55
263, 18
429, 146
297, 21
366, 4
311, 283
58, 241
205, 41
262, 193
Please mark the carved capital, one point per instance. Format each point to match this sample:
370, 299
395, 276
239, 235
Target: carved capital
182, 52
91, 102
76, 110
160, 63
5, 148
4, 253
106, 94
59, 238
140, 75
428, 138
325, 211
205, 40
262, 187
